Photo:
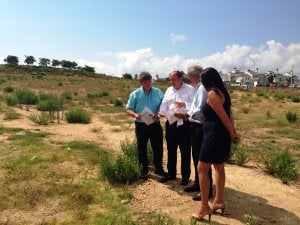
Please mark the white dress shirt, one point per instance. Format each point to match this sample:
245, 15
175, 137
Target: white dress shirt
184, 94
199, 100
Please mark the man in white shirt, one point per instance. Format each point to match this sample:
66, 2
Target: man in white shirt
196, 119
178, 99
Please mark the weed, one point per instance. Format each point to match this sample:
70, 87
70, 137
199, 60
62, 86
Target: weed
280, 164
8, 89
239, 154
11, 115
268, 114
11, 100
117, 102
78, 115
291, 117
42, 119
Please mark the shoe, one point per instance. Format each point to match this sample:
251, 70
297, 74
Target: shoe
184, 182
218, 206
160, 172
144, 177
166, 178
192, 188
200, 217
197, 197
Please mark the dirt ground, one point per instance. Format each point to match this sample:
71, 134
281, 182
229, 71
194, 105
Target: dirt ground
249, 191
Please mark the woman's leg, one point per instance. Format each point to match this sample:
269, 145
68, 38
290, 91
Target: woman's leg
220, 183
204, 187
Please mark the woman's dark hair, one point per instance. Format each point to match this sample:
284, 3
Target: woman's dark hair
212, 80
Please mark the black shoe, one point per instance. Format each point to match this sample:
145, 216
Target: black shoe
166, 178
144, 177
184, 182
192, 188
197, 197
160, 172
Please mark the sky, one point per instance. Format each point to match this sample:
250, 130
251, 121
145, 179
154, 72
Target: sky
158, 36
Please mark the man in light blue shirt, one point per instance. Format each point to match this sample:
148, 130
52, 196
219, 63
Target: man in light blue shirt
149, 98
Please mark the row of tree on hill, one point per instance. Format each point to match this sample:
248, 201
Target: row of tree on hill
30, 60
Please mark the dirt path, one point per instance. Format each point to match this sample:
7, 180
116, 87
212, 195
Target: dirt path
248, 191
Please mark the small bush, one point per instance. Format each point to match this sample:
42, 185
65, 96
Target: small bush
117, 102
8, 89
126, 168
268, 114
246, 110
43, 119
11, 100
291, 117
78, 116
280, 164
279, 96
239, 154
26, 97
66, 95
11, 115
295, 98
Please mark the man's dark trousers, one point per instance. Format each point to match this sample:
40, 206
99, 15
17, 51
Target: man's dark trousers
178, 136
196, 136
154, 133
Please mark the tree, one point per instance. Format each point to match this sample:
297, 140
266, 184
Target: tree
127, 76
88, 69
55, 62
68, 64
44, 62
29, 60
12, 60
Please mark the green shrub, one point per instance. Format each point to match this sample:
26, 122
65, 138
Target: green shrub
67, 95
126, 168
11, 100
26, 97
43, 119
280, 164
11, 115
117, 102
8, 89
279, 96
291, 117
78, 115
239, 154
295, 98
246, 110
269, 114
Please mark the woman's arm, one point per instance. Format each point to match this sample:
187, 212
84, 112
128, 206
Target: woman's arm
215, 101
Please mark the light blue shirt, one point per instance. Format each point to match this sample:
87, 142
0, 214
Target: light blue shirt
139, 99
198, 102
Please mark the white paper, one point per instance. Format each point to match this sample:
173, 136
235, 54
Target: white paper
146, 116
172, 118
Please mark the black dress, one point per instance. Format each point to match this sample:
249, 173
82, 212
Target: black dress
216, 143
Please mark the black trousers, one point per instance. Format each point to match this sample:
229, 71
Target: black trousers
178, 136
154, 133
196, 136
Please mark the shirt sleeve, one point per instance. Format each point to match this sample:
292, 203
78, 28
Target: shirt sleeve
189, 102
163, 109
203, 99
131, 102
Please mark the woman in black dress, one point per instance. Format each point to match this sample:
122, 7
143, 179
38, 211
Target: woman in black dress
219, 131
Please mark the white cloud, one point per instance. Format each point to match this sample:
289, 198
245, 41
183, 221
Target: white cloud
269, 56
177, 38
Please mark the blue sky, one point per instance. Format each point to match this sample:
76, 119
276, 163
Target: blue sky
118, 36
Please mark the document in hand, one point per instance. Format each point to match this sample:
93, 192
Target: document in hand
172, 118
146, 116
